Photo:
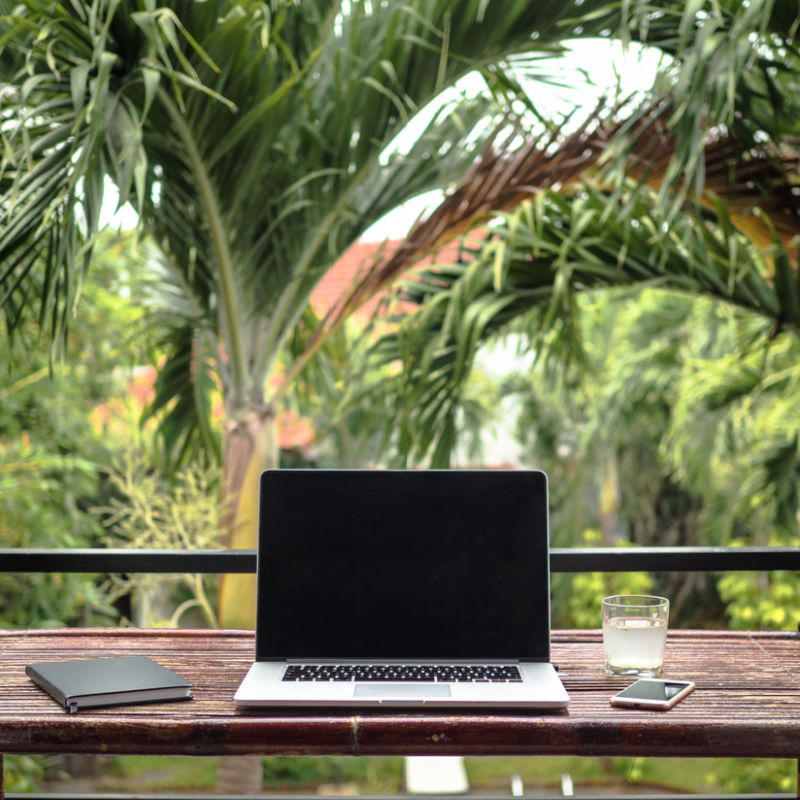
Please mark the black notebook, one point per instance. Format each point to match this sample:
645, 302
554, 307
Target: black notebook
98, 682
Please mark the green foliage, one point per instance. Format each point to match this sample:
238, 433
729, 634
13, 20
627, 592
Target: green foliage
158, 773
555, 249
763, 601
597, 427
23, 773
59, 425
255, 141
674, 424
49, 476
148, 512
756, 776
284, 771
373, 775
343, 395
144, 774
731, 66
732, 434
664, 417
43, 500
576, 598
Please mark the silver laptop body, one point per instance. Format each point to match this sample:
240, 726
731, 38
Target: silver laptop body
403, 588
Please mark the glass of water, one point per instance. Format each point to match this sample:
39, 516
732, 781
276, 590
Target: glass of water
634, 633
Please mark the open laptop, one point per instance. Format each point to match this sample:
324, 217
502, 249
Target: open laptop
403, 588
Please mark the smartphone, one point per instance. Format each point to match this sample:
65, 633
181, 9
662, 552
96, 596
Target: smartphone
652, 693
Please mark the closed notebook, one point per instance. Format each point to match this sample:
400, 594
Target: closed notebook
95, 682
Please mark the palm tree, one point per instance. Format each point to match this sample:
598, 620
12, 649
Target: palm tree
527, 277
256, 142
694, 190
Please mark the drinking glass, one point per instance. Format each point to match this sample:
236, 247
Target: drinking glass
634, 633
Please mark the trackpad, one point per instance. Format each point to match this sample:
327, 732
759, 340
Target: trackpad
401, 690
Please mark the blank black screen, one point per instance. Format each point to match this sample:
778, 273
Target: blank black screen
403, 564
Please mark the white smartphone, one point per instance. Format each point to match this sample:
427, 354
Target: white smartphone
652, 693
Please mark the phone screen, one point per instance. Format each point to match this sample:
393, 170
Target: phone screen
645, 689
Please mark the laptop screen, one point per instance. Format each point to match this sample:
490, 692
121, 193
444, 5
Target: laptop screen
430, 564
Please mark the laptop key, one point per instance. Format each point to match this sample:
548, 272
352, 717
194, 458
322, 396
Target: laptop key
429, 673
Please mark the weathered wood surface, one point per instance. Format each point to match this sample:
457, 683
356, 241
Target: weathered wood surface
747, 703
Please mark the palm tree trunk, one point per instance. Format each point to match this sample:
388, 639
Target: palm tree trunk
608, 510
238, 775
250, 447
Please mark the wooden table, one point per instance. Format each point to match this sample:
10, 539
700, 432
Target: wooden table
747, 703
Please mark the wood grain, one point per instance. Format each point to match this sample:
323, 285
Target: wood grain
747, 703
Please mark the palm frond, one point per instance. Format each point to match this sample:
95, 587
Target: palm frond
733, 74
512, 166
533, 266
755, 179
67, 123
184, 395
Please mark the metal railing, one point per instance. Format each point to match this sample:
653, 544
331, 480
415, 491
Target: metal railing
589, 559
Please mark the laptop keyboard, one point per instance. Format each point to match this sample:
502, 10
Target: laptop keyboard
482, 673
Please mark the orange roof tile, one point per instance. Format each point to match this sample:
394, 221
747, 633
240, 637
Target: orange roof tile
359, 256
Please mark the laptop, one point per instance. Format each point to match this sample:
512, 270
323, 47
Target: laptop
403, 588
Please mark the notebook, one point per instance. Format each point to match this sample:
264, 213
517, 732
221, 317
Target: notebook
403, 588
95, 682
